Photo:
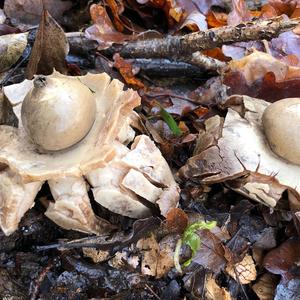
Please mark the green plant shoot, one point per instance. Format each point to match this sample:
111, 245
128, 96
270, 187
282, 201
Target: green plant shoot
192, 239
170, 121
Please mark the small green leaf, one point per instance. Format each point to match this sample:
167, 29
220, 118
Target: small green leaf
170, 121
194, 242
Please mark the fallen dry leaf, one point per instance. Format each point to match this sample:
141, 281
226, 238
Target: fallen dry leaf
239, 13
44, 56
97, 256
265, 287
125, 69
212, 254
214, 292
267, 88
12, 47
278, 7
281, 259
149, 248
103, 30
216, 19
27, 13
117, 8
244, 271
257, 64
176, 220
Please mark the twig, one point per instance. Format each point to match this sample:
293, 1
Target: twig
178, 46
39, 280
151, 290
165, 67
208, 63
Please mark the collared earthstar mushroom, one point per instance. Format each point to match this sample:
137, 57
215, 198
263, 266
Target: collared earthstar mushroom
74, 131
255, 150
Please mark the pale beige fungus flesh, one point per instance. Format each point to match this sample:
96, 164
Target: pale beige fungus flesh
281, 123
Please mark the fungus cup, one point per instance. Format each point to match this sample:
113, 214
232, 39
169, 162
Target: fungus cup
254, 151
72, 129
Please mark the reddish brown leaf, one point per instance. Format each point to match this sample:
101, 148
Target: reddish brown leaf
26, 13
282, 259
239, 14
278, 7
125, 69
103, 30
49, 50
116, 9
5, 29
176, 220
212, 253
216, 19
266, 88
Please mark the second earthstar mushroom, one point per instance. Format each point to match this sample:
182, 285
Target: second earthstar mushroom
237, 151
86, 139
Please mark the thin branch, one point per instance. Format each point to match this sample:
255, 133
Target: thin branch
205, 62
178, 46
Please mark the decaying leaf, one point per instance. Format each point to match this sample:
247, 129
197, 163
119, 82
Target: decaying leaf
11, 49
44, 56
103, 30
282, 259
257, 64
213, 291
244, 271
265, 287
243, 150
96, 255
157, 258
27, 13
125, 69
239, 13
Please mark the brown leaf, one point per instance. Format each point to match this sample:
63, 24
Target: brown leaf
5, 29
216, 19
282, 259
212, 253
239, 14
12, 47
244, 271
26, 13
214, 291
176, 220
49, 50
125, 69
267, 88
278, 7
264, 288
117, 8
103, 30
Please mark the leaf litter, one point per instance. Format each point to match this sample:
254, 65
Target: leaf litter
248, 195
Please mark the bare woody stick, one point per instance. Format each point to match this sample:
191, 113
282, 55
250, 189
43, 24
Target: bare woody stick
178, 46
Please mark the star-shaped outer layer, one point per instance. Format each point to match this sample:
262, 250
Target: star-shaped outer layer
122, 179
